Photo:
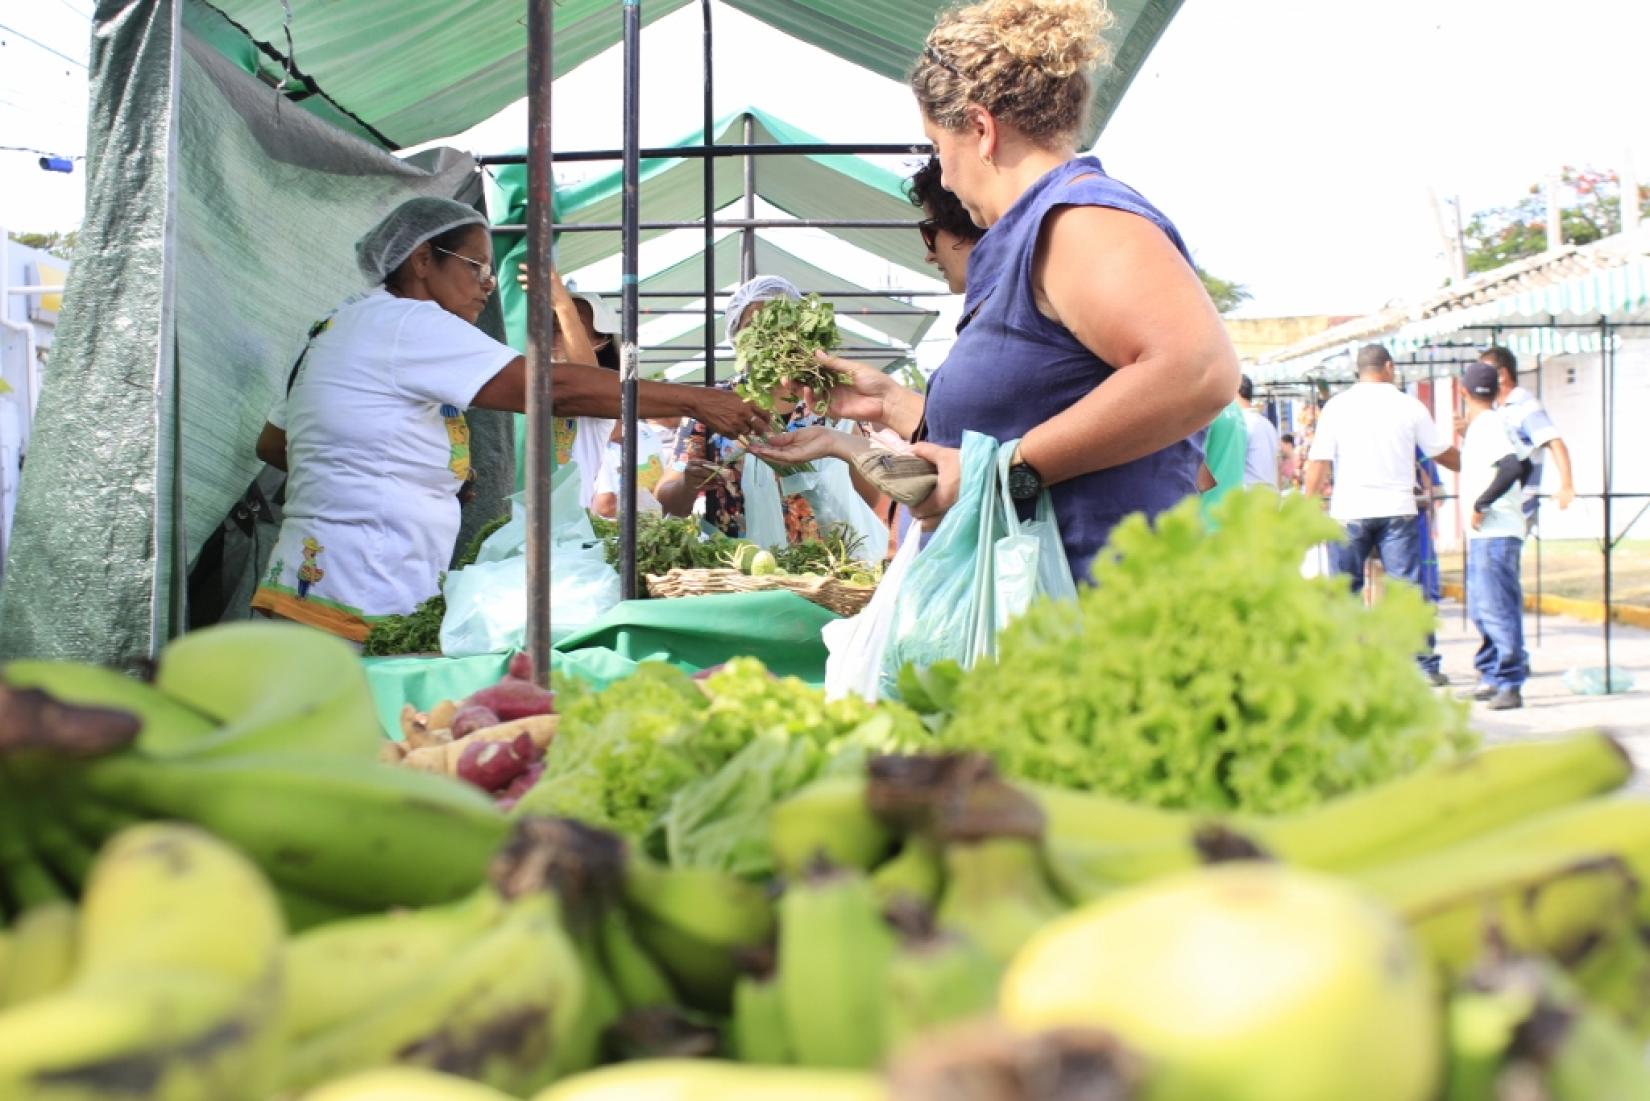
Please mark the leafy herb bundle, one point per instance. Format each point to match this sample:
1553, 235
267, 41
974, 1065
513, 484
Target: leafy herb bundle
419, 632
777, 349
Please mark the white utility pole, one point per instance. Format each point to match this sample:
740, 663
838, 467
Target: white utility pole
1629, 195
1555, 215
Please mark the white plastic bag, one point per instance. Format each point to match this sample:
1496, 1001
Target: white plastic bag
855, 646
764, 511
487, 602
1318, 562
831, 493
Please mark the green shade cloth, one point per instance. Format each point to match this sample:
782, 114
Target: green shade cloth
426, 681
780, 628
414, 70
691, 633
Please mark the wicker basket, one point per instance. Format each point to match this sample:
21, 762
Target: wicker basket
836, 596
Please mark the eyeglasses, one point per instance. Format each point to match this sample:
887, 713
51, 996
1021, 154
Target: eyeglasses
930, 230
484, 272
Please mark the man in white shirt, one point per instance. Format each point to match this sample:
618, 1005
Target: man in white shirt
1260, 462
1491, 464
1529, 426
1368, 435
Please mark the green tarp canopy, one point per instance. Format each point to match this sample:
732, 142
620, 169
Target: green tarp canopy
408, 71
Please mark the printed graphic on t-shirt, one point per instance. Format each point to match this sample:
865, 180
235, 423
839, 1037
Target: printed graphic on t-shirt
650, 472
458, 436
310, 573
566, 432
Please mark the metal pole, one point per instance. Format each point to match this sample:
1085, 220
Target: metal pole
630, 365
1538, 537
1607, 363
747, 244
903, 225
540, 334
762, 149
708, 166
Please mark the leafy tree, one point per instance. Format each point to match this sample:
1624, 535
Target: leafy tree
1589, 209
55, 242
1226, 295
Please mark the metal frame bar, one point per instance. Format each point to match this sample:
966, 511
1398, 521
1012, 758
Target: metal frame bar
745, 224
711, 150
541, 158
540, 333
630, 280
708, 172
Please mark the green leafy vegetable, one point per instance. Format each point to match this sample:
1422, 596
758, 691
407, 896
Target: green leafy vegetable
691, 771
1202, 671
776, 348
419, 632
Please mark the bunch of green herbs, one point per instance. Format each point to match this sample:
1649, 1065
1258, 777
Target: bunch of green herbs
775, 350
419, 631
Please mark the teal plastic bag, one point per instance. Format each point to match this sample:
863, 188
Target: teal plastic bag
1028, 558
981, 568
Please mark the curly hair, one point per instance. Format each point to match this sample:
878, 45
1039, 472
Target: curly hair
1028, 62
944, 209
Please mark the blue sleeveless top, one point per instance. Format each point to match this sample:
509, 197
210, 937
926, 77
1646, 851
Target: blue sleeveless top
1011, 368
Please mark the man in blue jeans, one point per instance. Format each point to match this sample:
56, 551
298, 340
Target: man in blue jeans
1368, 437
1491, 464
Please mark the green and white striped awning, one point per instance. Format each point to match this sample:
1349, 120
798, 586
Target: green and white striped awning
1561, 317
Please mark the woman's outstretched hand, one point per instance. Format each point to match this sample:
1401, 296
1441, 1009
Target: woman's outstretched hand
807, 444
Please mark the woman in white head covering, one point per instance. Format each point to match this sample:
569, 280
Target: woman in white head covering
372, 425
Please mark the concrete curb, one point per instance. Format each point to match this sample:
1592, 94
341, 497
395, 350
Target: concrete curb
1590, 610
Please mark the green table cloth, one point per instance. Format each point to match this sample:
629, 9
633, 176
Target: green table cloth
692, 633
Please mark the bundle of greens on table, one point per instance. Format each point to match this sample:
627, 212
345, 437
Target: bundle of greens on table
419, 631
691, 770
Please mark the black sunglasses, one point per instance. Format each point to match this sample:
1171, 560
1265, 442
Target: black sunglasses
930, 230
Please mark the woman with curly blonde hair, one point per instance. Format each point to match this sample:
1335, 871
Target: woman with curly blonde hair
1086, 332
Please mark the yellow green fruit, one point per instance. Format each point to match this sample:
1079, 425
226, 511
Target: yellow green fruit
709, 1080
1243, 982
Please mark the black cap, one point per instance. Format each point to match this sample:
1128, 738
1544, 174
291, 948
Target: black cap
1481, 380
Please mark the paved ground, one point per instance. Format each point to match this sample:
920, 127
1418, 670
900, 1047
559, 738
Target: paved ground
1550, 707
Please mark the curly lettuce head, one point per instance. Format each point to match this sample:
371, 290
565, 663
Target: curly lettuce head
1203, 671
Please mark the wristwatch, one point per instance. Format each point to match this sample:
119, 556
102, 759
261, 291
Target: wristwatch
1024, 483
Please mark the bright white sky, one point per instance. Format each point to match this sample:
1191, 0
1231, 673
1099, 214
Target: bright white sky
1294, 141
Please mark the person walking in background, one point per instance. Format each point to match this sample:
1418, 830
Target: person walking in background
1427, 492
1260, 461
1289, 466
1527, 423
1224, 451
1368, 436
1490, 465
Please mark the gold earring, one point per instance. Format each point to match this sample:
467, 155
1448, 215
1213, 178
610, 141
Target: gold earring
987, 160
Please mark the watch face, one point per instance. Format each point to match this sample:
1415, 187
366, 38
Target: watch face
1023, 482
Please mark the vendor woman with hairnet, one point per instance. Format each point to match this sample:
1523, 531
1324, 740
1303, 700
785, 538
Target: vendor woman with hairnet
741, 498
372, 428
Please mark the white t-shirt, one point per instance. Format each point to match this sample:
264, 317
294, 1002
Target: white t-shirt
1487, 441
650, 467
1370, 433
1528, 424
1260, 462
378, 449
